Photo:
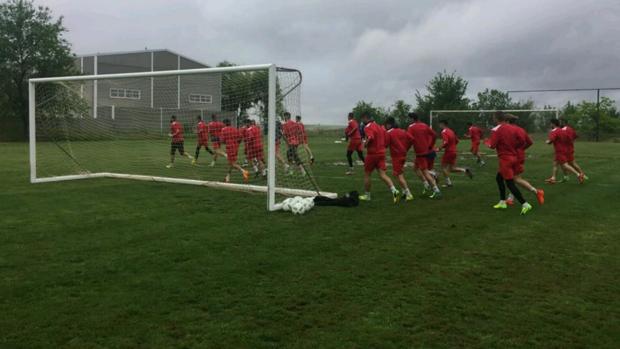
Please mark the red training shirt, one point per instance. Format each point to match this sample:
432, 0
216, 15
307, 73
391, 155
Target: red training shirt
423, 138
475, 133
352, 131
399, 142
202, 131
375, 138
449, 140
506, 140
176, 129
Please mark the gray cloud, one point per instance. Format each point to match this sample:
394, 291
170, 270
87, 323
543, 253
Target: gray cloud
373, 50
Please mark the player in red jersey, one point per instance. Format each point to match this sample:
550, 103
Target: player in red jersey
230, 136
448, 161
304, 138
474, 133
253, 143
353, 135
570, 138
507, 140
399, 142
424, 146
291, 132
561, 145
540, 194
214, 129
203, 139
375, 158
177, 144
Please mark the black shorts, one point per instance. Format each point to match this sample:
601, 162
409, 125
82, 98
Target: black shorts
177, 145
292, 156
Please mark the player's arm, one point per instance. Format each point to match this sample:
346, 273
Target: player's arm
552, 138
369, 137
445, 140
492, 141
528, 141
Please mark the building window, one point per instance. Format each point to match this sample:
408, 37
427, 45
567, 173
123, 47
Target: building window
125, 93
202, 99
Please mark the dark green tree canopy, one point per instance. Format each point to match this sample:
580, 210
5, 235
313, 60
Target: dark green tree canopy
444, 91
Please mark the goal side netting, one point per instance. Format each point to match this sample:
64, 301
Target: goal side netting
182, 126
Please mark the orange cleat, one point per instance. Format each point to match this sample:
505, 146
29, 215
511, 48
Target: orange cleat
540, 195
581, 178
246, 176
510, 201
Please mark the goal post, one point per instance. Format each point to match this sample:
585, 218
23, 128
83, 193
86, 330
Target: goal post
110, 126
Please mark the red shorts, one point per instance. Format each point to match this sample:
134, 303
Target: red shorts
355, 145
508, 167
570, 155
475, 147
203, 142
216, 145
398, 164
520, 166
232, 155
422, 162
448, 158
562, 157
373, 162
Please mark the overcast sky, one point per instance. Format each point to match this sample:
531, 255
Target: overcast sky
378, 51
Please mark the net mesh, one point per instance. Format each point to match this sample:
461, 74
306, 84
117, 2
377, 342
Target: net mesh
123, 125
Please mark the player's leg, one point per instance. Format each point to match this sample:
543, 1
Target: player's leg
350, 161
446, 169
183, 152
540, 194
367, 187
360, 154
309, 152
568, 168
388, 181
501, 187
173, 148
398, 166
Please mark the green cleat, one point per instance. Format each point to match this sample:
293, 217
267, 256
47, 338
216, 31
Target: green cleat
396, 196
408, 197
525, 208
435, 195
364, 197
502, 205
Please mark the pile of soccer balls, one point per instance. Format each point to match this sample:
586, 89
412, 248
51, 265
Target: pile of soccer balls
298, 205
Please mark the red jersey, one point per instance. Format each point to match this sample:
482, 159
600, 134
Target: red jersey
302, 132
352, 131
449, 140
559, 139
176, 129
423, 138
571, 136
528, 142
215, 128
202, 131
230, 136
475, 133
375, 138
399, 142
255, 136
506, 139
291, 132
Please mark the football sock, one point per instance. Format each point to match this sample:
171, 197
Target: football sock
501, 186
393, 189
515, 191
427, 185
350, 158
360, 155
436, 189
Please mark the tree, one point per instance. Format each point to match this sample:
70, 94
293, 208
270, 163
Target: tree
583, 116
445, 91
493, 100
32, 44
366, 108
400, 112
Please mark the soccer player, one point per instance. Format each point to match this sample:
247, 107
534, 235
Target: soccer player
353, 135
253, 142
176, 133
475, 134
570, 153
506, 140
214, 128
304, 138
423, 144
230, 136
399, 142
292, 135
540, 194
448, 161
375, 158
561, 141
203, 139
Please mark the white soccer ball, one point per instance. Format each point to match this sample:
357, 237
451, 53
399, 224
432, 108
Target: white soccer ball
297, 208
286, 204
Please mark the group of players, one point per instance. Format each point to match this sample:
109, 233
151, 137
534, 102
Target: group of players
225, 140
508, 139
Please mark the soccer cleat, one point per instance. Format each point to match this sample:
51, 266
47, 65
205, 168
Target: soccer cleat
501, 205
550, 180
540, 195
581, 178
435, 195
246, 176
349, 172
510, 201
482, 163
585, 178
396, 196
563, 180
194, 162
448, 185
312, 161
364, 197
425, 191
469, 173
408, 197
169, 166
525, 208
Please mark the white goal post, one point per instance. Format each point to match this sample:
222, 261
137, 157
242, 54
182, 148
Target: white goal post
72, 137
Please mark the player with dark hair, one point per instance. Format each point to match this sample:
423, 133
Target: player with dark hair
203, 139
292, 135
448, 161
353, 135
506, 140
214, 128
375, 158
561, 145
177, 144
424, 145
230, 136
304, 138
399, 142
474, 133
570, 138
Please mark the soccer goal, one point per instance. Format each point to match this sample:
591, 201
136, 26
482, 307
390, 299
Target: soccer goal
145, 126
533, 120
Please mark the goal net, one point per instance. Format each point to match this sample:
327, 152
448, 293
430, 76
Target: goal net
532, 120
149, 126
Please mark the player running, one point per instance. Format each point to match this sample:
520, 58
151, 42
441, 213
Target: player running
292, 134
353, 135
176, 133
375, 158
561, 141
423, 145
203, 139
570, 153
474, 133
253, 143
448, 160
507, 140
304, 138
214, 129
231, 138
540, 194
399, 142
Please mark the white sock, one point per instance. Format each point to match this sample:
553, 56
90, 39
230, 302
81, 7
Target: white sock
393, 189
436, 189
407, 191
427, 185
448, 181
534, 190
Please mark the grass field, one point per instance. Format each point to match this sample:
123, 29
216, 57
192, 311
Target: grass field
121, 264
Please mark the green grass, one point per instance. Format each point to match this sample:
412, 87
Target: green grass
122, 264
